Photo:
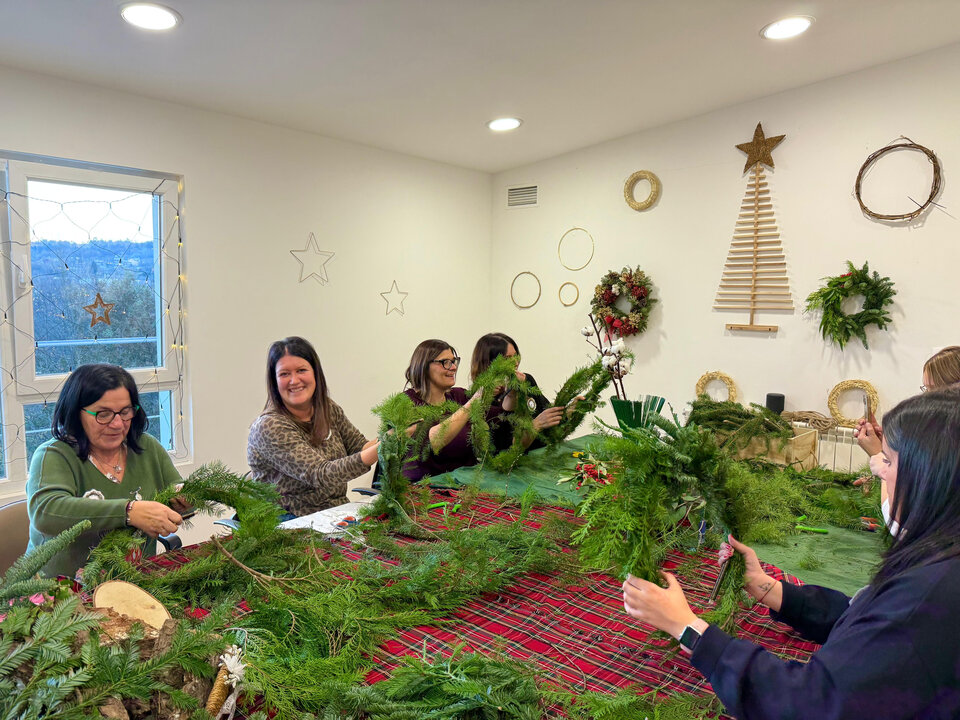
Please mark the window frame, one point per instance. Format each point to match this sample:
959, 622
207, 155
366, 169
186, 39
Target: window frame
21, 385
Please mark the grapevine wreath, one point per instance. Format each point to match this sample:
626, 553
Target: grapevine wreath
631, 284
835, 324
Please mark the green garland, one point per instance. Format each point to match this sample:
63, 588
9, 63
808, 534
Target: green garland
588, 382
736, 425
837, 326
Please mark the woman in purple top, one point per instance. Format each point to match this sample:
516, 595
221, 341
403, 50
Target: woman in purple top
432, 377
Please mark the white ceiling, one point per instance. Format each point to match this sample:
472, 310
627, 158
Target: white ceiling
423, 76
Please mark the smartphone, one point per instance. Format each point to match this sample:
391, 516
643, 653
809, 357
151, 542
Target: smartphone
866, 407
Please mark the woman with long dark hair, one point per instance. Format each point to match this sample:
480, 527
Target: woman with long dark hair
891, 651
487, 349
99, 466
303, 442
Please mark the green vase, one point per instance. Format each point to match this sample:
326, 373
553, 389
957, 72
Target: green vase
636, 413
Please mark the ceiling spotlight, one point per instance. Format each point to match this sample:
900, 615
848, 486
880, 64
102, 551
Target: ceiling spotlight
787, 27
504, 124
150, 16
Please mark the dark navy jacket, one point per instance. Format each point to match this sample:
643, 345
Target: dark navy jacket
891, 653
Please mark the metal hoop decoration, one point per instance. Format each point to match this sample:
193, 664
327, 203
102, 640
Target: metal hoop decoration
841, 388
722, 377
632, 183
539, 289
560, 294
560, 246
909, 145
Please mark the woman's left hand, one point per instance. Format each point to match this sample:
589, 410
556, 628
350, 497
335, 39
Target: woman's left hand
573, 404
664, 608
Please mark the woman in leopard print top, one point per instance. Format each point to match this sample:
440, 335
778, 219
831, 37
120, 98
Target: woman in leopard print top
303, 442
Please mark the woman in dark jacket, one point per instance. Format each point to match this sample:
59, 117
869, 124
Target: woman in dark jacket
485, 352
891, 651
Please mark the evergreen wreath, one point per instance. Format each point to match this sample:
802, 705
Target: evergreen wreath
632, 284
836, 325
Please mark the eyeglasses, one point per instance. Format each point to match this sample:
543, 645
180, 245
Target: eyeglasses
105, 417
448, 362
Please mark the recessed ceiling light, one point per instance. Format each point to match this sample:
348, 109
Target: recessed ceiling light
787, 27
504, 124
150, 16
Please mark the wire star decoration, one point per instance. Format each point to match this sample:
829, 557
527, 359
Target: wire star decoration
394, 299
99, 304
759, 150
313, 261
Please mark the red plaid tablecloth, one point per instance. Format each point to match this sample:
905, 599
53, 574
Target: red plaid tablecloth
577, 636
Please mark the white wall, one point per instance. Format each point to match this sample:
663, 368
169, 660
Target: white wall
682, 242
253, 193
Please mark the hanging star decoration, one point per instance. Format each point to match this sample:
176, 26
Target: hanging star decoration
99, 304
313, 261
759, 150
394, 298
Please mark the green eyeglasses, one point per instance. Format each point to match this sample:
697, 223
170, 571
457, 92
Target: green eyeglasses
105, 417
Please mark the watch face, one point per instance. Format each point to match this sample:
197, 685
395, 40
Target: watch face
689, 638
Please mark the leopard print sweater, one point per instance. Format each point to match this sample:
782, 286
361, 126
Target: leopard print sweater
309, 478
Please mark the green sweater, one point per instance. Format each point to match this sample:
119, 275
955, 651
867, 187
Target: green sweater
62, 490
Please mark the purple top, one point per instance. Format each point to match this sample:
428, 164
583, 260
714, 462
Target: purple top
456, 453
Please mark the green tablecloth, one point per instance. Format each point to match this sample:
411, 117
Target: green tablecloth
847, 557
539, 468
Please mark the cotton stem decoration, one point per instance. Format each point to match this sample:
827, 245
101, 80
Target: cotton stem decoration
222, 702
614, 356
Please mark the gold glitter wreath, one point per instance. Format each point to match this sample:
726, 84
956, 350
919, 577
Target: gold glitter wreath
842, 387
632, 183
722, 377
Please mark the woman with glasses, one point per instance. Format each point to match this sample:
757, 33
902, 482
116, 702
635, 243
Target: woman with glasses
99, 466
303, 442
432, 377
485, 352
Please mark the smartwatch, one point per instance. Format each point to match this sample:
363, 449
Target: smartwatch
689, 638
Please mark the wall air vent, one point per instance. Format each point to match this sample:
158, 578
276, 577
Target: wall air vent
522, 196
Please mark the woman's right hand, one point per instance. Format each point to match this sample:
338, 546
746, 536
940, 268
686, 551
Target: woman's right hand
869, 435
549, 418
153, 518
760, 586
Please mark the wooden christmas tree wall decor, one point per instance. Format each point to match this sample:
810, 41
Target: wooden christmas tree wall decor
755, 274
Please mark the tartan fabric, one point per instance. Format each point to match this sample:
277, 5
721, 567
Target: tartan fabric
579, 636
576, 636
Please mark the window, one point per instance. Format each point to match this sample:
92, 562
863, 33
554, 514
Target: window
92, 260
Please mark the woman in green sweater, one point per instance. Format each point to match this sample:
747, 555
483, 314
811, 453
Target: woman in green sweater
99, 466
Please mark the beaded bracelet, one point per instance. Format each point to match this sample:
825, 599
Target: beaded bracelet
126, 518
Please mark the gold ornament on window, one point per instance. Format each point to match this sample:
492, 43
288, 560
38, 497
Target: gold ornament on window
97, 317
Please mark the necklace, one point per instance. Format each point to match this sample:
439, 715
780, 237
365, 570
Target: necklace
117, 468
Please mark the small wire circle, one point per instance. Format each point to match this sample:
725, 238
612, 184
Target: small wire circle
560, 249
560, 294
539, 289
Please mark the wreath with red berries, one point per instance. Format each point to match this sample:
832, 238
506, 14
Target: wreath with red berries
632, 284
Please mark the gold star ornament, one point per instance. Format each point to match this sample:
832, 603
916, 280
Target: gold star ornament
95, 307
759, 150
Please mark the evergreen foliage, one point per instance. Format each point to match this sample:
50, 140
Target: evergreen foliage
837, 326
501, 377
52, 663
589, 381
21, 581
736, 425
